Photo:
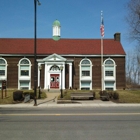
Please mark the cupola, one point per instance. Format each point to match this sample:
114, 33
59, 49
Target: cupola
56, 30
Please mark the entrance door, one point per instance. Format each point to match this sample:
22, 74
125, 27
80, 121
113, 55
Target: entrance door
54, 82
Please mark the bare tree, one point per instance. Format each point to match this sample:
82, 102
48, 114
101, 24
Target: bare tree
133, 68
129, 69
133, 19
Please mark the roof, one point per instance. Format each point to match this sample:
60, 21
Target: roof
62, 47
56, 23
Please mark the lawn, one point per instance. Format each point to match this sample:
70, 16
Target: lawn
125, 96
129, 96
9, 98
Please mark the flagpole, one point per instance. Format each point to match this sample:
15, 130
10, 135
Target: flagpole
102, 51
101, 63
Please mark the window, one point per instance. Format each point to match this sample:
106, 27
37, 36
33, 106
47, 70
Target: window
109, 68
24, 67
3, 70
24, 84
54, 68
24, 74
2, 67
110, 74
109, 85
85, 74
85, 68
85, 85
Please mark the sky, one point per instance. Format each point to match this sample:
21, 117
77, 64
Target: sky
78, 18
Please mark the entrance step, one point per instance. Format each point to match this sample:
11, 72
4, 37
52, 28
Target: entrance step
52, 91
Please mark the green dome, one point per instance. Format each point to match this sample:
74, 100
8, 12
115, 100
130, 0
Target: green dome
56, 23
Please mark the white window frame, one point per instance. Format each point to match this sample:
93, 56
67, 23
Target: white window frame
24, 78
85, 79
3, 77
111, 67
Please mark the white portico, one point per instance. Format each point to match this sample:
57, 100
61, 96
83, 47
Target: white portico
52, 71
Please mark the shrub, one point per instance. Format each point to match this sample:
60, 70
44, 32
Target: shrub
65, 93
94, 94
18, 95
100, 93
103, 93
104, 96
115, 95
110, 93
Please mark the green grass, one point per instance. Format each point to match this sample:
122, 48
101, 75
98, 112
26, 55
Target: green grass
129, 96
125, 96
9, 98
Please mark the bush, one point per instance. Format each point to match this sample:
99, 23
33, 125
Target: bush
103, 93
18, 95
94, 94
115, 95
110, 93
104, 96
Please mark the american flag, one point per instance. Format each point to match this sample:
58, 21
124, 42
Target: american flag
102, 26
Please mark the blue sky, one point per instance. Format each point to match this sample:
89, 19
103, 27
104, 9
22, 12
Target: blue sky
78, 18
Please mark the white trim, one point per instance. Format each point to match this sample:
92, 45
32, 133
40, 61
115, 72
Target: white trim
72, 55
3, 77
24, 78
110, 78
85, 78
56, 30
70, 75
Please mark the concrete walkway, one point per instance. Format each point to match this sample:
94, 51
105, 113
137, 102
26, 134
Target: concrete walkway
51, 101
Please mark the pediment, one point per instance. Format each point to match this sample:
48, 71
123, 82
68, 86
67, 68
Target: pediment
54, 57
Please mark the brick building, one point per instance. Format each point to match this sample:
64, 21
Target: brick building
80, 59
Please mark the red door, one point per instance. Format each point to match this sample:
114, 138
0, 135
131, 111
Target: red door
54, 80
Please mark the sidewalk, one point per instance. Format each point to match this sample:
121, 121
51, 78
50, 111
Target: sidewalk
51, 101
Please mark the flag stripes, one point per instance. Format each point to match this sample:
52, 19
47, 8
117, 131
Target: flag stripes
102, 26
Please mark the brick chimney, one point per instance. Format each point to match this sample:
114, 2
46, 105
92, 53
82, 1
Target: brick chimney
117, 36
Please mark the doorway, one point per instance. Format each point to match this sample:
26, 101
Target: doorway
54, 80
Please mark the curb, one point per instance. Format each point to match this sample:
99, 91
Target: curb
69, 105
67, 102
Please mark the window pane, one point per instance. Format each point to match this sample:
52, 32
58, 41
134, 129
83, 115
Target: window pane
108, 73
85, 68
2, 72
109, 62
109, 89
85, 88
2, 67
24, 61
54, 68
85, 73
24, 73
24, 85
109, 67
24, 67
85, 83
2, 61
109, 83
85, 62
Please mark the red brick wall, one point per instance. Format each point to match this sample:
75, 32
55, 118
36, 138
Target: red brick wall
12, 73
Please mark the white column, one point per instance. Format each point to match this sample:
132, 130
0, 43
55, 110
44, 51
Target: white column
70, 75
48, 77
63, 77
45, 77
38, 77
